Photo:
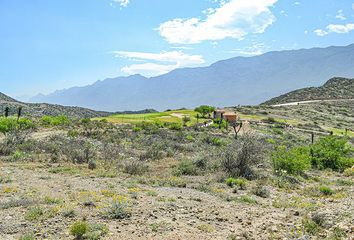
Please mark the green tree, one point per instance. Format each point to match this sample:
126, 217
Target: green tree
294, 161
332, 152
204, 110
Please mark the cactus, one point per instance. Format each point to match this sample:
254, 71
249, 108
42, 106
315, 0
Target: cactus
7, 112
19, 113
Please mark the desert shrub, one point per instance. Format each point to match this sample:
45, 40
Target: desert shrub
239, 158
294, 161
278, 131
134, 167
214, 141
154, 152
118, 210
325, 190
185, 167
27, 236
96, 231
201, 162
18, 155
332, 152
311, 227
269, 120
73, 133
33, 213
247, 199
78, 229
137, 129
148, 127
175, 126
261, 191
241, 183
319, 218
349, 172
92, 164
338, 234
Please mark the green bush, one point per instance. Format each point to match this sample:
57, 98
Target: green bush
231, 182
28, 236
214, 141
326, 190
175, 126
293, 161
332, 152
90, 231
55, 121
11, 124
79, 229
34, 213
185, 167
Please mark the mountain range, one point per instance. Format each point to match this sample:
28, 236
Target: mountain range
239, 80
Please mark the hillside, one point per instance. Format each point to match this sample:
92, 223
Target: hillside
239, 80
335, 88
40, 109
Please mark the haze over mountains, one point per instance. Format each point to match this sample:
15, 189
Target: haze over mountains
239, 80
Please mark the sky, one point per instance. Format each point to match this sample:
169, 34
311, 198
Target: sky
49, 45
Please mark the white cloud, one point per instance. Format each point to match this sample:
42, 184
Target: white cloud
122, 3
338, 28
320, 32
340, 15
335, 28
232, 19
297, 3
162, 62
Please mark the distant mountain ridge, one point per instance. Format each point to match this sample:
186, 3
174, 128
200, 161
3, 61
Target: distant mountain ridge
335, 88
239, 80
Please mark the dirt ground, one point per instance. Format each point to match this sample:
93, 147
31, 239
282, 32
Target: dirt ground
202, 209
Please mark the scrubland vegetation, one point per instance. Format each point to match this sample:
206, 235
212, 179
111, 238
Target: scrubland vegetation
153, 179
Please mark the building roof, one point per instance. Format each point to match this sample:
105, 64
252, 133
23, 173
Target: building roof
230, 114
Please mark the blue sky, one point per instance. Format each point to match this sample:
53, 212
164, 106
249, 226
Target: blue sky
48, 45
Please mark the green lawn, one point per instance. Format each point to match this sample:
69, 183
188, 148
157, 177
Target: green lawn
163, 117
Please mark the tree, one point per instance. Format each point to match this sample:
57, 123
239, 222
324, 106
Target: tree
332, 152
204, 110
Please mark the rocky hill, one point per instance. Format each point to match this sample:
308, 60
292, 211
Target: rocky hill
335, 88
40, 109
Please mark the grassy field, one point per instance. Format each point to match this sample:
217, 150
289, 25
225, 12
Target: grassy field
175, 116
